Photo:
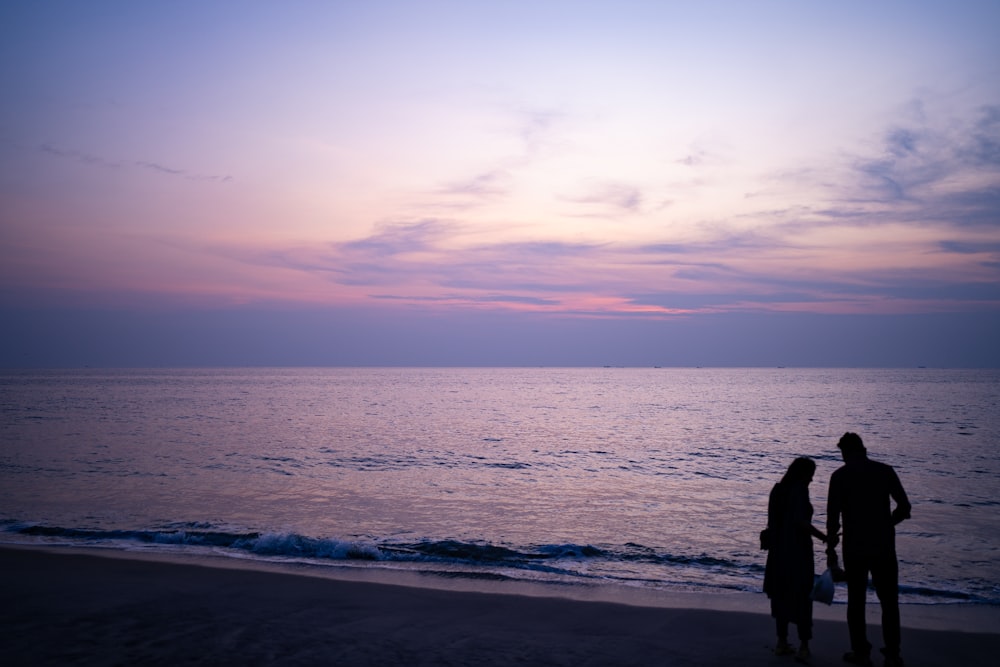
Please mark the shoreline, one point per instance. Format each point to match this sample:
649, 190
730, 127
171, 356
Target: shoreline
97, 607
957, 615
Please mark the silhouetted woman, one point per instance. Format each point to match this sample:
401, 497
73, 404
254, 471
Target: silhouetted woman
789, 573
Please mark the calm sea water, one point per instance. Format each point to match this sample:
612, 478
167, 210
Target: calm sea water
642, 477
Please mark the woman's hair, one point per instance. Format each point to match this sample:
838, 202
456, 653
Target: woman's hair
801, 470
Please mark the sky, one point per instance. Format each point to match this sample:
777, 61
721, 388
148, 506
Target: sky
500, 183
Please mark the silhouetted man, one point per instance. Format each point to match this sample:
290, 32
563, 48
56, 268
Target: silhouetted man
860, 492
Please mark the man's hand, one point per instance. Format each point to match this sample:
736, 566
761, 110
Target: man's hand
833, 564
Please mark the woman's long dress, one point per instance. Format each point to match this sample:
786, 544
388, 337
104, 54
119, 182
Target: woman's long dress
790, 569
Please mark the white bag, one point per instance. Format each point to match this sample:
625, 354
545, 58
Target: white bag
823, 588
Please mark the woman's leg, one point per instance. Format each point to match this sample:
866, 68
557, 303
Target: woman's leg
782, 647
804, 626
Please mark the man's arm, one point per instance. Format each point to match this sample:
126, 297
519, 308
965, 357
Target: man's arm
833, 506
897, 493
834, 503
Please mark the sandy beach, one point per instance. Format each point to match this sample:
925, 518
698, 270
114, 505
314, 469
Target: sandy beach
80, 609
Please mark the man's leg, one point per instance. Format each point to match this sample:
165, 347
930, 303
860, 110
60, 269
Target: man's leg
857, 591
885, 579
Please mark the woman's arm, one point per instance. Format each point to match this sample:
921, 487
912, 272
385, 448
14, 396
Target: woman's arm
807, 527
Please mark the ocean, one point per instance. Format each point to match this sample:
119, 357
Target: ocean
655, 478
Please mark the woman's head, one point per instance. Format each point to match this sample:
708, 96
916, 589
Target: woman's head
801, 470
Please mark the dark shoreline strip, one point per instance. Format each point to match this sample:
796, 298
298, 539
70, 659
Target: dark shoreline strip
73, 609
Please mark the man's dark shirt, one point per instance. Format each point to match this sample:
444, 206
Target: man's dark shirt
860, 490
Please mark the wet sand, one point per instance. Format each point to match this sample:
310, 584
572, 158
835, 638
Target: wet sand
72, 608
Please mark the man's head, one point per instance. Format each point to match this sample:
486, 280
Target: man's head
851, 446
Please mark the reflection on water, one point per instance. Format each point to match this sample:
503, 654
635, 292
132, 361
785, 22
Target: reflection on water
649, 466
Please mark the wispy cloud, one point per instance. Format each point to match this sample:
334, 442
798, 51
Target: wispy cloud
533, 131
536, 127
970, 248
953, 172
701, 156
458, 298
79, 156
397, 238
908, 228
609, 198
983, 145
910, 225
92, 160
487, 184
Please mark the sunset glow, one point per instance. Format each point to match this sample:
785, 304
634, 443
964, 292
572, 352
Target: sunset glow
585, 160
